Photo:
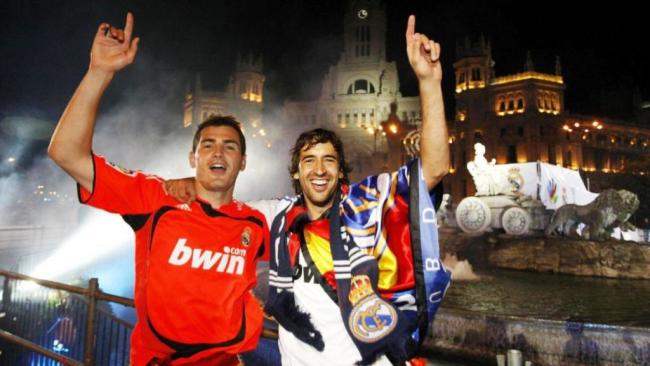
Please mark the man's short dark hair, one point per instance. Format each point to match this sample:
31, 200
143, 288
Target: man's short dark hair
218, 121
310, 138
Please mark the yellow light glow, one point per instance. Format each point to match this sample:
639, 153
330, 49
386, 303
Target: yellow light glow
595, 123
262, 132
370, 130
393, 128
600, 127
576, 124
528, 75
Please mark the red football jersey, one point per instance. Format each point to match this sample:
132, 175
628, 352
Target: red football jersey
195, 267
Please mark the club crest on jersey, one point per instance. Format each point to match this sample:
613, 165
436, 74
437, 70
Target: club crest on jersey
246, 236
371, 318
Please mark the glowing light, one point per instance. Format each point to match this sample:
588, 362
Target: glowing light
393, 128
576, 124
370, 130
526, 76
565, 127
101, 235
595, 123
262, 132
600, 127
11, 159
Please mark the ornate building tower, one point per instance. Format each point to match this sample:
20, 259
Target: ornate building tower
243, 98
357, 92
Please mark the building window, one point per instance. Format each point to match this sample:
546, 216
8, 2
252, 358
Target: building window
548, 102
512, 154
520, 104
551, 154
510, 103
361, 86
362, 37
476, 74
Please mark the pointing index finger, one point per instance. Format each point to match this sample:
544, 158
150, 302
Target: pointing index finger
128, 28
410, 27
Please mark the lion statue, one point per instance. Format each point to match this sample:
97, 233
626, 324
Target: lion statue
612, 208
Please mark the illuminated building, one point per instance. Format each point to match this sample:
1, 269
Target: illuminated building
522, 118
243, 97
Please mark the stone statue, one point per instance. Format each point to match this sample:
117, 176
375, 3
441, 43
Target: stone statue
489, 181
445, 214
612, 208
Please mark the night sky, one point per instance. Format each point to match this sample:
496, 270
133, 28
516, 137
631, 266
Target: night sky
45, 46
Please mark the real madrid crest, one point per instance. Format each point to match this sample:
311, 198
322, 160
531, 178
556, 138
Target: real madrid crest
371, 318
515, 179
246, 236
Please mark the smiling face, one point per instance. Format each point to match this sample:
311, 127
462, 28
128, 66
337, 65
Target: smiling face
217, 160
318, 173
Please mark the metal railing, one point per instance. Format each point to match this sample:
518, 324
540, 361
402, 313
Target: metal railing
45, 323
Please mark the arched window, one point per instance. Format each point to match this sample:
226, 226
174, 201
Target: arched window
361, 86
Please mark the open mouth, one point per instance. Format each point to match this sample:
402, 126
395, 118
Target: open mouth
218, 168
319, 184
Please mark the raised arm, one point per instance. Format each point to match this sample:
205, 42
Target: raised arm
424, 57
70, 146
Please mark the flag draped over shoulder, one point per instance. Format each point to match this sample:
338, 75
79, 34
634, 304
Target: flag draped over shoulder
376, 325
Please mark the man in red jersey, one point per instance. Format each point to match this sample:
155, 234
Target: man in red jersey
195, 263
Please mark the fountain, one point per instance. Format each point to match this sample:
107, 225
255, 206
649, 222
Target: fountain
597, 316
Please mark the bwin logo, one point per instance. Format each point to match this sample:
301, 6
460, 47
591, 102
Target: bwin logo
230, 261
